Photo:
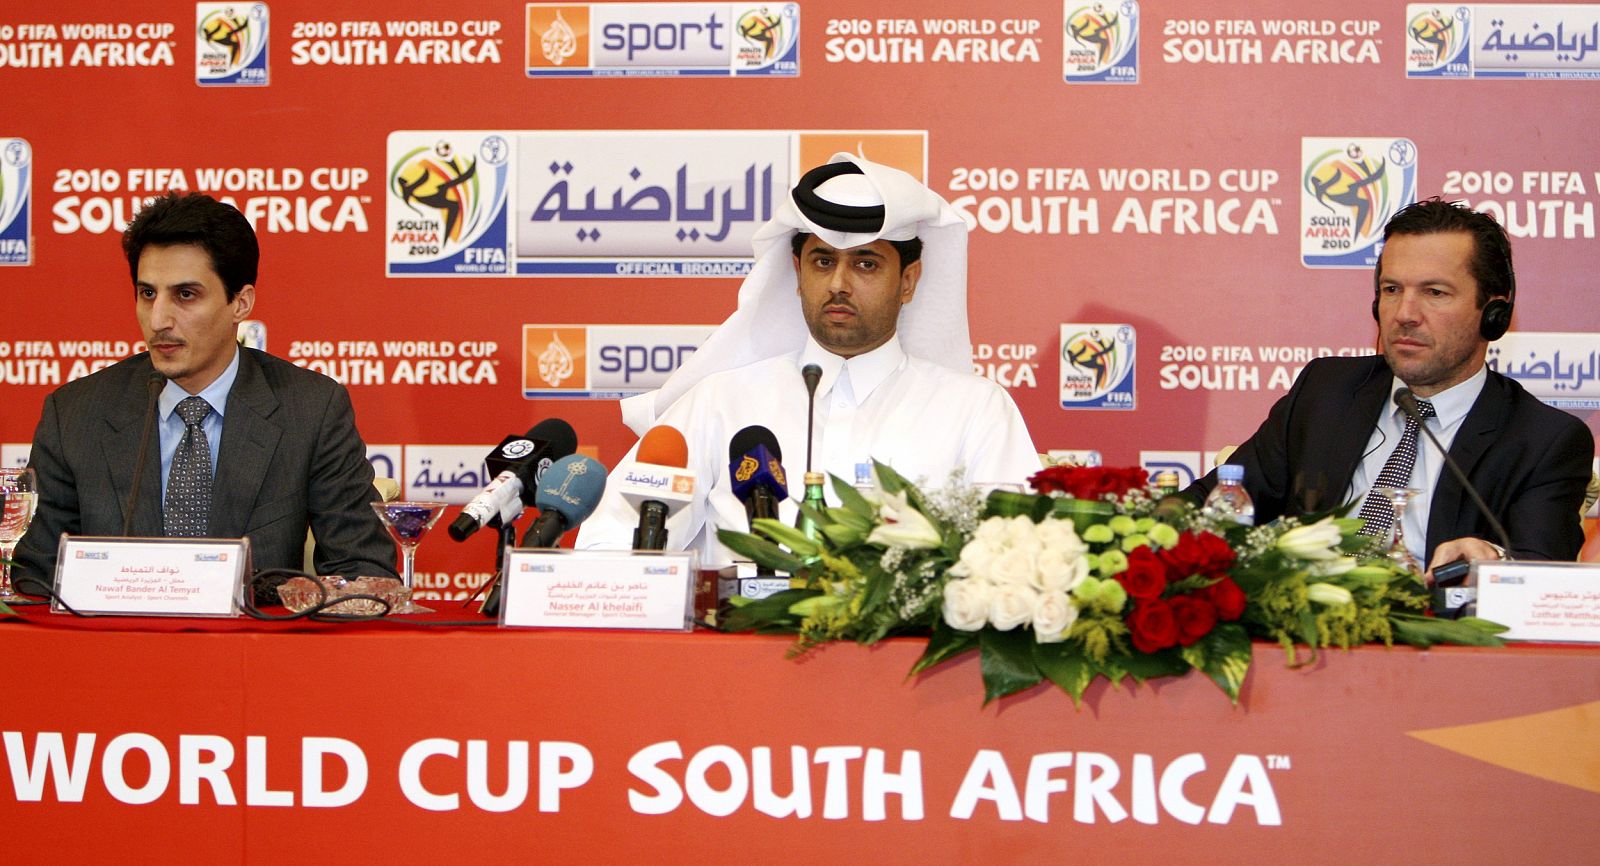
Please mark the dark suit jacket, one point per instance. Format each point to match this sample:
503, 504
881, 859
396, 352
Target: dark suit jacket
1530, 462
290, 457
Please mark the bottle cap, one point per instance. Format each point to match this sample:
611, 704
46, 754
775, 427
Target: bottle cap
1230, 472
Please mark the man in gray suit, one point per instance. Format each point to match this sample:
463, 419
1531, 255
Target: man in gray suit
119, 452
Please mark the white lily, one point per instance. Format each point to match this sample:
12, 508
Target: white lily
903, 525
1318, 541
1328, 594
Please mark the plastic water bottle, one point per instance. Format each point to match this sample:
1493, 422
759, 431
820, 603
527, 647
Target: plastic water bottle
1228, 501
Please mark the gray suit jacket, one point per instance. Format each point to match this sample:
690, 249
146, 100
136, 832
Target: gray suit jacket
290, 458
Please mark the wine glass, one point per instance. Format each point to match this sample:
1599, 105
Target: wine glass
1399, 499
21, 498
407, 523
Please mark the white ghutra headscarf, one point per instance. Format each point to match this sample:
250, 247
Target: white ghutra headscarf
769, 321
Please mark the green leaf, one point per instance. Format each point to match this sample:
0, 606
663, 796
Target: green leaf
847, 517
1005, 503
770, 613
852, 499
1065, 665
1007, 658
760, 551
1224, 656
1149, 666
945, 644
1425, 631
787, 536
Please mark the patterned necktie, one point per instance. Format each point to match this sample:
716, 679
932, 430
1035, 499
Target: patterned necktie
1378, 511
188, 507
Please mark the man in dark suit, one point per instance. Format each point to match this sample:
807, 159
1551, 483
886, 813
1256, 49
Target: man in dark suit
1444, 289
133, 450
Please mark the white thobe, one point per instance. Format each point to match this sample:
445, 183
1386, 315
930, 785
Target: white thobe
921, 418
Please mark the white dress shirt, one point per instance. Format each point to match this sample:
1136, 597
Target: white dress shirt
171, 424
922, 418
1450, 408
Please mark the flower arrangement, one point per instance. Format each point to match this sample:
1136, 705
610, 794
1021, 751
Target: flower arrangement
1094, 576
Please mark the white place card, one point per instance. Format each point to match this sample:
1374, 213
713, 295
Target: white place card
1554, 601
598, 589
151, 576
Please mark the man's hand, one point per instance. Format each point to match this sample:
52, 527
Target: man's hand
1461, 548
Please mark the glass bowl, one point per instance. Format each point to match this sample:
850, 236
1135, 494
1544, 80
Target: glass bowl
300, 593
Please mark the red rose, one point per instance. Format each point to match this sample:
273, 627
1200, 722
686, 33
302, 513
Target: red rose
1227, 597
1153, 626
1202, 553
1146, 576
1088, 482
1196, 617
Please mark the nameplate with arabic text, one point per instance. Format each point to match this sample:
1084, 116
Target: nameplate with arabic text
151, 576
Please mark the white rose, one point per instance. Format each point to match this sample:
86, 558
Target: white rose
1059, 571
977, 558
1011, 606
1013, 568
991, 532
966, 604
1022, 534
1053, 614
1060, 535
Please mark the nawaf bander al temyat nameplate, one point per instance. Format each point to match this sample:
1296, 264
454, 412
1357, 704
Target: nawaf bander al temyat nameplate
151, 576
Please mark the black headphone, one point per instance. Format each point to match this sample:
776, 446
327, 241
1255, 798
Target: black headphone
1495, 319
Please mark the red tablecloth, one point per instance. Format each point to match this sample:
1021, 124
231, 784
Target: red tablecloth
651, 748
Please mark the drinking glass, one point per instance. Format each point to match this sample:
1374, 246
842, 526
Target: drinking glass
407, 523
21, 498
1399, 499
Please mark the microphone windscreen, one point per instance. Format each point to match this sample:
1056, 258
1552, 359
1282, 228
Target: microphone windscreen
1407, 403
562, 438
572, 487
663, 446
757, 468
812, 374
746, 440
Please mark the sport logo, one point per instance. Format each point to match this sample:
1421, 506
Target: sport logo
16, 198
603, 39
447, 203
603, 362
1097, 366
231, 44
1349, 190
1102, 43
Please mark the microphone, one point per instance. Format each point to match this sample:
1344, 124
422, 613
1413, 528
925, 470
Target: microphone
154, 385
566, 496
657, 485
1408, 404
756, 469
516, 464
812, 374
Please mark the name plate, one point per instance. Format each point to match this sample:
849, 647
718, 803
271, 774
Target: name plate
151, 576
1554, 601
598, 589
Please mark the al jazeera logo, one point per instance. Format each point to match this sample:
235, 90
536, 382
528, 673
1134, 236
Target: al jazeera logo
1101, 43
1349, 190
1437, 42
1097, 366
441, 188
558, 37
231, 44
553, 360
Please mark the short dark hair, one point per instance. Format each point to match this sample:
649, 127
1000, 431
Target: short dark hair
191, 218
909, 251
1491, 248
